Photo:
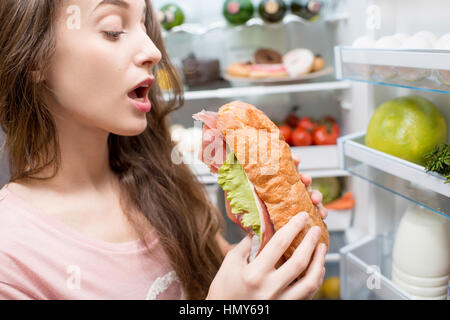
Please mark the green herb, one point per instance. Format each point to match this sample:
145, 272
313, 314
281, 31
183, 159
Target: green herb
439, 161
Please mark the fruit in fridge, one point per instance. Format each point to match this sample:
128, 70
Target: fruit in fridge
330, 188
407, 127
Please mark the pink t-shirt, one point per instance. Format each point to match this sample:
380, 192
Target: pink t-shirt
43, 258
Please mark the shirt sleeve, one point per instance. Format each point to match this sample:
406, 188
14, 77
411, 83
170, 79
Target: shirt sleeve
11, 292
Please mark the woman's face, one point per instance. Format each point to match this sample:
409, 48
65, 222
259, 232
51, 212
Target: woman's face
102, 53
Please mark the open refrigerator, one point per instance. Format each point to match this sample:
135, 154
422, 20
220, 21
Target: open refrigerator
385, 187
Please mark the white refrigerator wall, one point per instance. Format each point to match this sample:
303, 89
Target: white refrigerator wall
378, 210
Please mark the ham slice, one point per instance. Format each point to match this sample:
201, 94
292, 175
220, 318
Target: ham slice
267, 229
209, 118
213, 151
213, 154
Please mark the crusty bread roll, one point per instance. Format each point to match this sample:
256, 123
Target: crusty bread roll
276, 180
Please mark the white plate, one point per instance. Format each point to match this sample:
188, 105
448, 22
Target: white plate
312, 75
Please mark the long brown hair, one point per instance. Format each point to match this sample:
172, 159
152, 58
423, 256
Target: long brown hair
168, 195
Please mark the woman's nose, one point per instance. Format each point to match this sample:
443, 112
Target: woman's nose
149, 55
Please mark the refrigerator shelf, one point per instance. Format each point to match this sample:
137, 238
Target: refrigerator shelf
202, 29
426, 70
321, 173
245, 91
338, 220
317, 157
317, 161
366, 268
396, 175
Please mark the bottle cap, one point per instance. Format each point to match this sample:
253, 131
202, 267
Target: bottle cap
272, 7
233, 7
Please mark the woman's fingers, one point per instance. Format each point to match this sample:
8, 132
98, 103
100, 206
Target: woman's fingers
311, 282
322, 277
241, 251
300, 259
316, 197
296, 160
322, 210
306, 179
280, 241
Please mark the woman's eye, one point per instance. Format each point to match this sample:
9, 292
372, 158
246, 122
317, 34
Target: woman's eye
113, 35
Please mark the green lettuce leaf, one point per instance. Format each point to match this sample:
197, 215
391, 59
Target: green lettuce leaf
232, 179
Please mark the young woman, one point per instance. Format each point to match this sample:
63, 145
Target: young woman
95, 208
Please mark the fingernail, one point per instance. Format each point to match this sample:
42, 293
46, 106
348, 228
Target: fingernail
303, 215
323, 272
318, 231
324, 211
315, 231
318, 195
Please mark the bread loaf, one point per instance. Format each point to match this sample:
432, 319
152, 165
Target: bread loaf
267, 161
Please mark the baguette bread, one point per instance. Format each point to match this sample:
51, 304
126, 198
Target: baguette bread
276, 180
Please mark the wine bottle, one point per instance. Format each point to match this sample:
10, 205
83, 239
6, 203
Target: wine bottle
307, 9
272, 10
238, 12
170, 15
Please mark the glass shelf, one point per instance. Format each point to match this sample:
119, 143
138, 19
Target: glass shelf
317, 157
339, 220
427, 70
366, 268
396, 175
201, 29
225, 93
317, 161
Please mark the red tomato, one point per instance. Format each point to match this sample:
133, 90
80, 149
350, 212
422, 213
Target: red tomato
326, 134
292, 120
306, 123
328, 119
301, 137
286, 131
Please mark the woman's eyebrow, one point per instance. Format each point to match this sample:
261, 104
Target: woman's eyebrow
120, 3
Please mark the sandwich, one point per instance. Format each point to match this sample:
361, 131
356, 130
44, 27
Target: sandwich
255, 168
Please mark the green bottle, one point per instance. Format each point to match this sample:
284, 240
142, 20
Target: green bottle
170, 15
272, 10
307, 9
238, 12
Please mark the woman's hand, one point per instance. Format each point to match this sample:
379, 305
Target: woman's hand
316, 195
259, 279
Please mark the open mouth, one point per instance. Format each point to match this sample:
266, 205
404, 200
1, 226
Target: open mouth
139, 94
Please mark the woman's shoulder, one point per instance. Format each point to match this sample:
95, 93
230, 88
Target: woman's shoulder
9, 206
11, 226
3, 192
13, 219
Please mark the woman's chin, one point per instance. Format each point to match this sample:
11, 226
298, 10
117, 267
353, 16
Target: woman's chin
130, 131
